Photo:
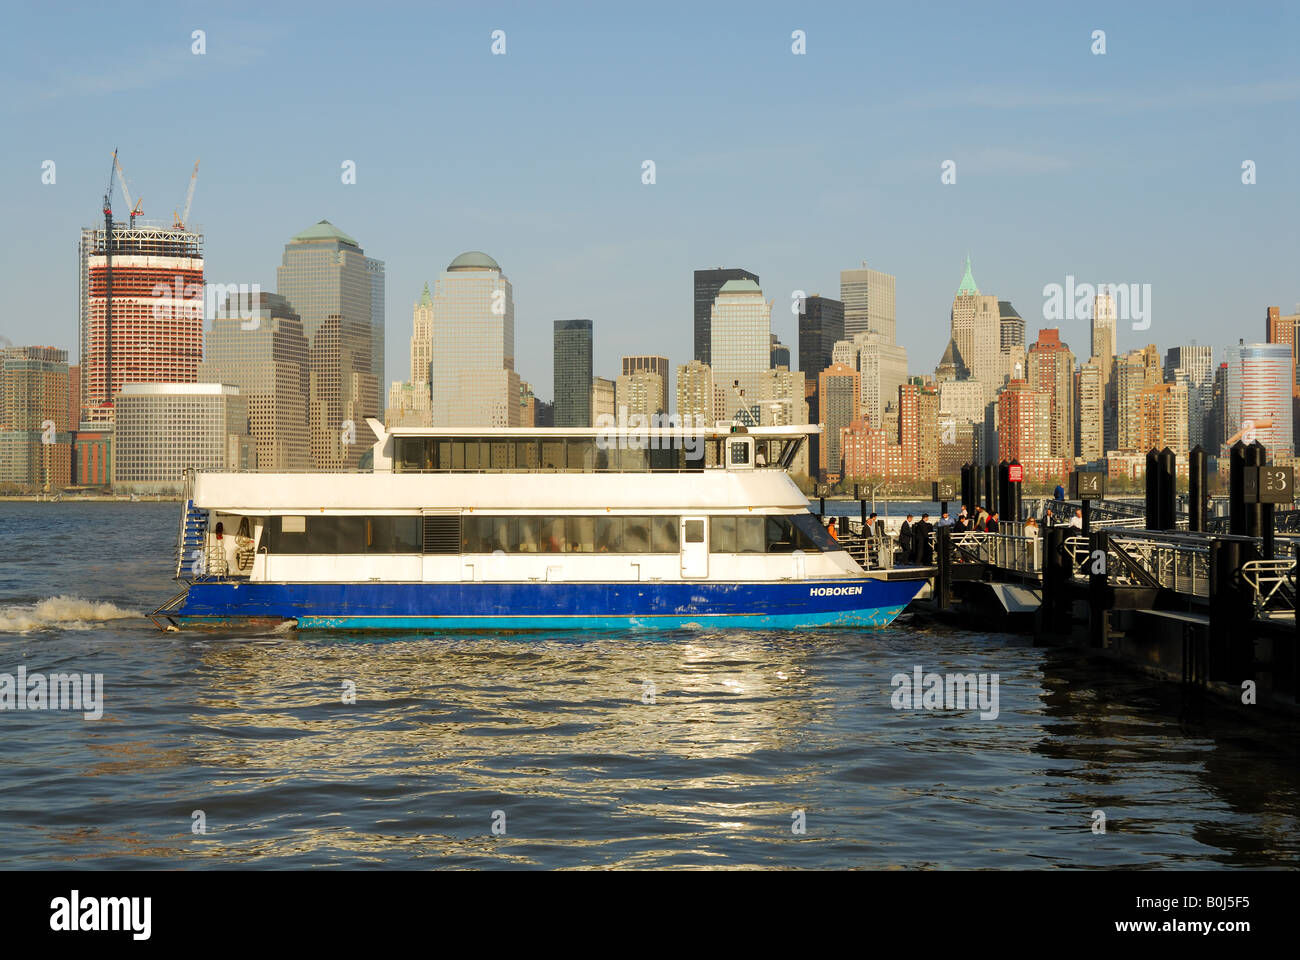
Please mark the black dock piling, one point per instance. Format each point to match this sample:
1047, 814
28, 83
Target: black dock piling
1237, 489
1196, 490
1098, 592
1167, 488
1153, 490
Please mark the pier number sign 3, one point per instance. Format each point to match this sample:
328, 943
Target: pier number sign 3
1087, 485
1268, 484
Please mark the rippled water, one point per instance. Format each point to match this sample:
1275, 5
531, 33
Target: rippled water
743, 731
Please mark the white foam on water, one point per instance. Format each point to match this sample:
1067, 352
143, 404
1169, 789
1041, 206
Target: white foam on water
62, 613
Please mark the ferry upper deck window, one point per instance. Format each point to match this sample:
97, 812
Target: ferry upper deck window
740, 452
694, 531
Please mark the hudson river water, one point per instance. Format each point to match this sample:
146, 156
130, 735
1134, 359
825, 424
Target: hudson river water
748, 737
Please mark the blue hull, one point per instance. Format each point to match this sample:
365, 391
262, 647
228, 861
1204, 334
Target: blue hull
548, 606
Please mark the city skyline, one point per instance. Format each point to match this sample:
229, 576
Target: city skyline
1031, 206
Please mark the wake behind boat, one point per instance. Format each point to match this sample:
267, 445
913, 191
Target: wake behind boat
528, 529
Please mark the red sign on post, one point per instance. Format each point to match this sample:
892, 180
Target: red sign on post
1015, 473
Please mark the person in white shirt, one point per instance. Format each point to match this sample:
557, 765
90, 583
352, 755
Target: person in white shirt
1076, 521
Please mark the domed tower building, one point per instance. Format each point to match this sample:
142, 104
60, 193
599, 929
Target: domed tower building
472, 377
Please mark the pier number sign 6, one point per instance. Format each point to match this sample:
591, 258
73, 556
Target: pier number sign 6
1268, 484
1087, 485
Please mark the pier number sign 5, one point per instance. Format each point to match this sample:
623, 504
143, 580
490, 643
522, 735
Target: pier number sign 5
1087, 485
1268, 484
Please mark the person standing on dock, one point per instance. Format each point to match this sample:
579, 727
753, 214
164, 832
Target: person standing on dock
1031, 527
1076, 521
922, 552
992, 525
905, 538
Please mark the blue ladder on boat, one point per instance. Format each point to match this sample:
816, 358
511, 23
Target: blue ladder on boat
194, 535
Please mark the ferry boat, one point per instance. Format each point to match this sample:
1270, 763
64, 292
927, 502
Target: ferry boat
517, 529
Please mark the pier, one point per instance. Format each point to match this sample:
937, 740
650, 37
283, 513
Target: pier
1208, 602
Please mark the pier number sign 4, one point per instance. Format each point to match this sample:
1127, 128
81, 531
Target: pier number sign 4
1268, 484
1087, 485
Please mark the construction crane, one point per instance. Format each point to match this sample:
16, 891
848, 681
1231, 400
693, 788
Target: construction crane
136, 210
184, 218
108, 284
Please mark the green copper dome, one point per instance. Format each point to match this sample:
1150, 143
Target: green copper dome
324, 230
967, 281
473, 260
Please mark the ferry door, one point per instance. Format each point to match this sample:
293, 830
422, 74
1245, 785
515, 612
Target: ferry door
695, 546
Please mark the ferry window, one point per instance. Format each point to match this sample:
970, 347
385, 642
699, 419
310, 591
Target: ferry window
527, 534
749, 535
722, 534
740, 453
664, 532
552, 454
458, 455
812, 535
636, 535
392, 534
444, 455
494, 533
473, 459
665, 458
609, 534
409, 454
551, 539
581, 455
526, 454
631, 460
694, 531
501, 455
582, 534
781, 535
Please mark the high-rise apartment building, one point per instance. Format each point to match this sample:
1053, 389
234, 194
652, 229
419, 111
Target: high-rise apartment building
821, 326
640, 393
655, 364
918, 430
1281, 328
1051, 370
1162, 418
883, 369
1258, 395
868, 298
1193, 366
1133, 372
695, 393
1090, 412
707, 285
324, 274
256, 343
35, 434
604, 400
572, 373
472, 365
342, 393
838, 393
151, 329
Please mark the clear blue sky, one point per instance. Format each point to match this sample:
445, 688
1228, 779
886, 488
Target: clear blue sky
1119, 168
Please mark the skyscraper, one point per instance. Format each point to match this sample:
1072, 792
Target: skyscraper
977, 332
883, 369
1193, 366
821, 325
780, 353
1134, 372
655, 364
707, 285
640, 393
1258, 400
695, 393
472, 365
267, 358
571, 363
868, 298
1051, 369
343, 393
164, 428
325, 274
1162, 418
1104, 352
838, 391
35, 435
156, 314
421, 337
1280, 328
1090, 411
741, 328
